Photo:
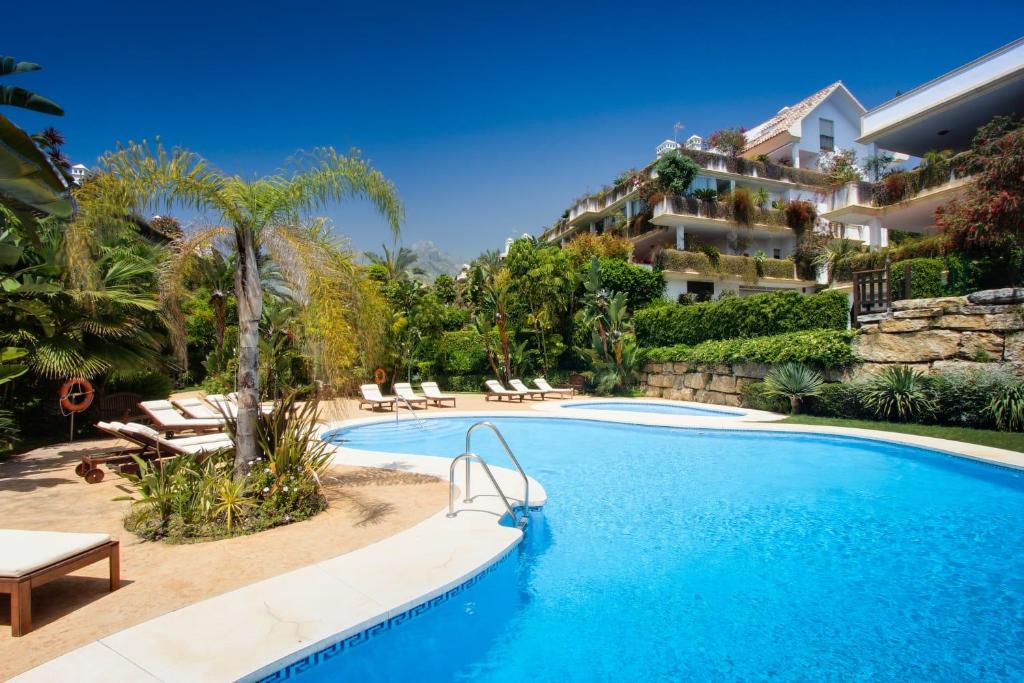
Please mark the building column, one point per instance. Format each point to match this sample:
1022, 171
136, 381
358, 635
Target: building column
878, 236
680, 238
795, 155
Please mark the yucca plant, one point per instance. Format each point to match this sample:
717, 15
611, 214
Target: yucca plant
794, 381
1007, 408
899, 393
232, 500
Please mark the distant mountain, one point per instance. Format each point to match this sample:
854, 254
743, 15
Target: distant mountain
433, 261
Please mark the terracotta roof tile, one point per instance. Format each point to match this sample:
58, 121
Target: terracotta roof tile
785, 119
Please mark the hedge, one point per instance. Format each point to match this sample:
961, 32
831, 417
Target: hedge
926, 277
743, 266
642, 286
752, 316
821, 348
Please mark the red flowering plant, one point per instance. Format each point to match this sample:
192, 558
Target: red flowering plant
729, 141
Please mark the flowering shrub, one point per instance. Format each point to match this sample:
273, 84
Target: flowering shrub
729, 141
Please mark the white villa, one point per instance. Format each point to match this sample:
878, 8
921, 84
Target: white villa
782, 157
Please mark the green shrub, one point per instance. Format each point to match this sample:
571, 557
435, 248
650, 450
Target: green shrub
926, 277
675, 172
461, 353
837, 399
757, 396
752, 316
743, 266
820, 348
899, 393
642, 286
463, 382
150, 386
962, 398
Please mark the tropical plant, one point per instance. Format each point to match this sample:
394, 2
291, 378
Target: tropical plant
761, 198
29, 181
877, 165
1007, 407
840, 167
269, 213
833, 253
232, 501
800, 216
742, 205
793, 381
899, 393
706, 194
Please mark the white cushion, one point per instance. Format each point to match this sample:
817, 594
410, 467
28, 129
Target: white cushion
136, 428
23, 552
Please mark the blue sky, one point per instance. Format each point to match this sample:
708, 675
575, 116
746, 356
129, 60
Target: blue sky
489, 117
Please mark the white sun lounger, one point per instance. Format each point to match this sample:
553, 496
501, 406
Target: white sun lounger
167, 418
434, 395
192, 445
543, 385
496, 392
373, 398
197, 408
517, 385
405, 392
29, 559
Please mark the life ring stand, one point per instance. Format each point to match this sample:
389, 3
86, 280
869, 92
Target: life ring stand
379, 375
76, 395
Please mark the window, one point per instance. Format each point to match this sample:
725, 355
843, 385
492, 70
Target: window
827, 130
776, 253
701, 291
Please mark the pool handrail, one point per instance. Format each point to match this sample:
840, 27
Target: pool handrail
508, 451
468, 457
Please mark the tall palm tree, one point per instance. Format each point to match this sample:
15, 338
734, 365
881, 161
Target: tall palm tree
268, 213
398, 262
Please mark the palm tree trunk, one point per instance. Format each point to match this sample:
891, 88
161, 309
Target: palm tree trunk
250, 309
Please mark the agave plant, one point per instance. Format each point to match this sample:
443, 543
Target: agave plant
794, 381
1007, 408
899, 393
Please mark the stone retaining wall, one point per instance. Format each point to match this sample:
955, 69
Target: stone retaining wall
981, 330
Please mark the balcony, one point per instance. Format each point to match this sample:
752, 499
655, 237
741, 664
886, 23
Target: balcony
905, 200
675, 210
755, 169
746, 268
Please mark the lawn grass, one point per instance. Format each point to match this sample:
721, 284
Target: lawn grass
1011, 441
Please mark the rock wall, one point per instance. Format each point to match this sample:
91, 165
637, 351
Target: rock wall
980, 330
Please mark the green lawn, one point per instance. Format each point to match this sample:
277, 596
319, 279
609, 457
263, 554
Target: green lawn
1011, 441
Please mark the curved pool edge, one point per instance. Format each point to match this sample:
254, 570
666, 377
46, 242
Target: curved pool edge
731, 414
252, 632
204, 633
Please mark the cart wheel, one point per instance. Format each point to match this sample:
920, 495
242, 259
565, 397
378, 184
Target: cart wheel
94, 476
81, 468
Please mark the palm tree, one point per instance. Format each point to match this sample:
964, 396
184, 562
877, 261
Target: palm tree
29, 181
398, 262
263, 214
833, 254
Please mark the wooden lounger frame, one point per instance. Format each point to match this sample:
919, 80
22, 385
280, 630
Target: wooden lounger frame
20, 587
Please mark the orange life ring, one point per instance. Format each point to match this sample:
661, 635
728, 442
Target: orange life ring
78, 401
379, 375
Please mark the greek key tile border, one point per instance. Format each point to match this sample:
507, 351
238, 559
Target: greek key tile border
331, 651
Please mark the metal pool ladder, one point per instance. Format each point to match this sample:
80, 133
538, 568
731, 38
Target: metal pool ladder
468, 455
412, 411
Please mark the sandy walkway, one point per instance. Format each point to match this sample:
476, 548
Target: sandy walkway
39, 490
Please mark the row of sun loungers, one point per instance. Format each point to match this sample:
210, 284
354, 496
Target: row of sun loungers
404, 395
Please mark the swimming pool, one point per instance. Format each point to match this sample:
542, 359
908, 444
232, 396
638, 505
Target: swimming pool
681, 554
652, 407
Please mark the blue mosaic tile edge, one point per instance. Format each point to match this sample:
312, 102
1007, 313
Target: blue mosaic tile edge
331, 651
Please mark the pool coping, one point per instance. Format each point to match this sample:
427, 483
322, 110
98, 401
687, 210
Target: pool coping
731, 413
254, 631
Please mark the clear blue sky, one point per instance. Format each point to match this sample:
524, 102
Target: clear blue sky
489, 117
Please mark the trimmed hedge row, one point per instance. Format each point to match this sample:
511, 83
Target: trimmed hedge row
820, 348
926, 277
642, 286
753, 316
743, 266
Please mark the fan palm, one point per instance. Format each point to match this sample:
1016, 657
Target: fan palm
794, 381
834, 253
262, 214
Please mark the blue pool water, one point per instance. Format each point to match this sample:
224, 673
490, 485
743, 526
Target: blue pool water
650, 407
683, 555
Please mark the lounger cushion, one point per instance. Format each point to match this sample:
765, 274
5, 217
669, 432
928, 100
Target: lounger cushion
136, 428
23, 552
